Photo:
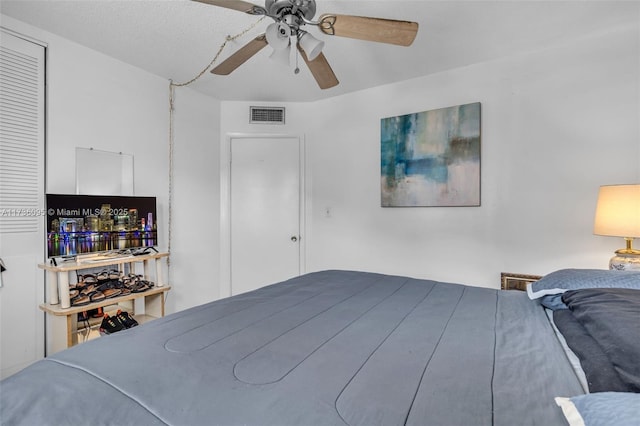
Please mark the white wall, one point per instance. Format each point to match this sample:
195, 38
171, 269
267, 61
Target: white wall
95, 101
556, 124
195, 249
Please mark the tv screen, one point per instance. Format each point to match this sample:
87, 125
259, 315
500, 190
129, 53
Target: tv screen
82, 224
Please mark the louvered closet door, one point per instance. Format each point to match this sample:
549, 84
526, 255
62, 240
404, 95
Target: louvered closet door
22, 235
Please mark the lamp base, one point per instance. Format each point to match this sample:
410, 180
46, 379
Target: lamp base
625, 262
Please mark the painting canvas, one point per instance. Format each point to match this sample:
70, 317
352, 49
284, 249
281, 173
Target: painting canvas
431, 158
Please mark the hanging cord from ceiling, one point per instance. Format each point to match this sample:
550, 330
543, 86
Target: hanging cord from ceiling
172, 86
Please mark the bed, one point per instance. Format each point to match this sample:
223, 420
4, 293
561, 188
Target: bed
330, 348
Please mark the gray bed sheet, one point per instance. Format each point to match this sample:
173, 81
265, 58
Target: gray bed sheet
326, 348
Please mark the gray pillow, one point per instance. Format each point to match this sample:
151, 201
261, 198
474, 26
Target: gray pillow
602, 408
575, 279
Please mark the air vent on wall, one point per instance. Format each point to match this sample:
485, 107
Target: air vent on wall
266, 115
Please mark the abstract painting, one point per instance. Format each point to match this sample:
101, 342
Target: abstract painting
431, 158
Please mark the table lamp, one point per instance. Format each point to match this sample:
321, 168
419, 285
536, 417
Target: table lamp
618, 215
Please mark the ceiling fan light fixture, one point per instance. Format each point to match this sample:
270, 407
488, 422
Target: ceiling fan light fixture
291, 16
282, 56
311, 45
278, 35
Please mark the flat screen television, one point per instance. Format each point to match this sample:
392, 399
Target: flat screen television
84, 224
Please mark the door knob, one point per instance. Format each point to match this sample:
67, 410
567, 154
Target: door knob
294, 238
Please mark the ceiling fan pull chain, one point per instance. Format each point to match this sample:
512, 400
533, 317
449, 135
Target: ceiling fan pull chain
297, 70
215, 58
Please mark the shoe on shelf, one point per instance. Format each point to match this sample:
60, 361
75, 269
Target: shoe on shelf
142, 286
96, 296
80, 300
88, 289
126, 319
110, 325
111, 292
84, 280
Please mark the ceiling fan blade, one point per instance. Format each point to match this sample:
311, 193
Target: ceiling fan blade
241, 56
321, 70
390, 31
239, 5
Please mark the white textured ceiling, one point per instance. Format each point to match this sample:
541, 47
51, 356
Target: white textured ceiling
176, 39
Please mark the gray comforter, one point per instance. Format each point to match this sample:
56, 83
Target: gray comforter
327, 348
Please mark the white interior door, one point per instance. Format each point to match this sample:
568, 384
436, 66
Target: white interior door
22, 234
265, 211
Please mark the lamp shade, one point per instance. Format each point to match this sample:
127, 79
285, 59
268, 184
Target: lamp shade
278, 35
311, 45
281, 56
618, 211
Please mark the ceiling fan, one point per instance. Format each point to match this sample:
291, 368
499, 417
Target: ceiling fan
290, 18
